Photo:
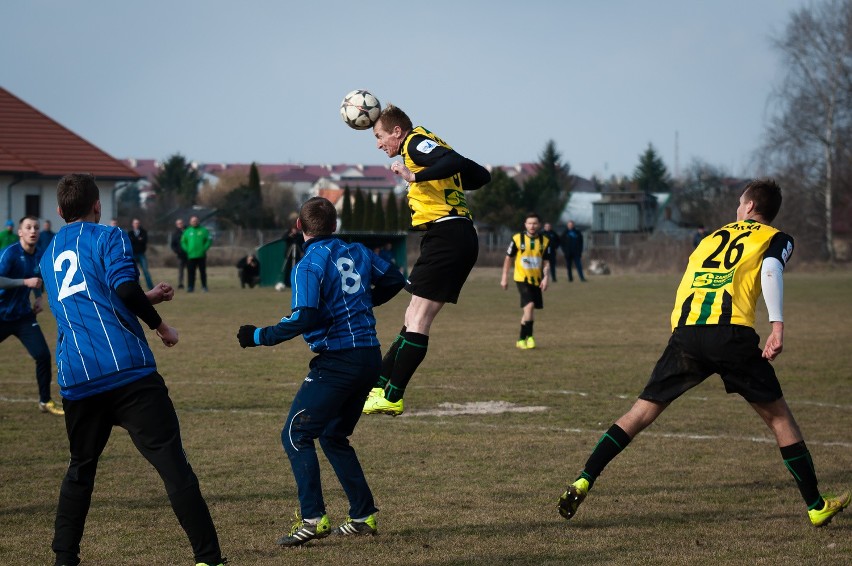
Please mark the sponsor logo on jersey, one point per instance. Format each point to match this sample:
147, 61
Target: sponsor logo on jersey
531, 262
454, 198
426, 146
709, 280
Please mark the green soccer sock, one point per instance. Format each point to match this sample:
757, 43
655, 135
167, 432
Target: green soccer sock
797, 459
608, 447
410, 352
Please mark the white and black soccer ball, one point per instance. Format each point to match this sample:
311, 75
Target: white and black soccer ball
360, 109
280, 286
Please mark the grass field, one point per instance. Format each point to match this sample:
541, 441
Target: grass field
491, 435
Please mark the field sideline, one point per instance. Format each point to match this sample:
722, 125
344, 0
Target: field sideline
471, 472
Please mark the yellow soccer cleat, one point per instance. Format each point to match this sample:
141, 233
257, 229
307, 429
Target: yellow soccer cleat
521, 345
573, 496
51, 407
376, 391
378, 405
530, 342
833, 506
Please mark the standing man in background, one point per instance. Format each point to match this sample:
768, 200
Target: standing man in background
45, 235
699, 235
174, 243
553, 249
195, 241
19, 262
139, 242
8, 235
572, 247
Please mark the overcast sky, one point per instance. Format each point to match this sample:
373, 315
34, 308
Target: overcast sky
225, 81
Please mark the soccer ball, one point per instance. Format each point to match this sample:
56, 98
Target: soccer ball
280, 286
360, 109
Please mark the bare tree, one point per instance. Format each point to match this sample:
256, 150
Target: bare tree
808, 138
705, 195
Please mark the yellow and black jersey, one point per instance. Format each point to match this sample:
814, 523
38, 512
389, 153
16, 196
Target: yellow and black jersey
529, 253
433, 199
722, 281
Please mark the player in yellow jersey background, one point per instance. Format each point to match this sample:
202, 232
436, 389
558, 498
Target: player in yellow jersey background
529, 252
713, 332
437, 177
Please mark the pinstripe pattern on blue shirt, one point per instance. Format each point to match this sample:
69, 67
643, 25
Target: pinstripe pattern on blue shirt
100, 344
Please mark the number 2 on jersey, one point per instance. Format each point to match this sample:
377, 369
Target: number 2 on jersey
67, 289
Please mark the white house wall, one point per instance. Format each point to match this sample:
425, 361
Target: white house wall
15, 194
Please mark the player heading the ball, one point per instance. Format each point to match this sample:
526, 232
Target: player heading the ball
437, 178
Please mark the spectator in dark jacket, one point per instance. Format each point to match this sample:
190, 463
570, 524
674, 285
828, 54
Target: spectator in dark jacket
45, 235
174, 244
551, 235
248, 269
139, 243
572, 247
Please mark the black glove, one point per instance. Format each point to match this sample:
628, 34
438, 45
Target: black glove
246, 336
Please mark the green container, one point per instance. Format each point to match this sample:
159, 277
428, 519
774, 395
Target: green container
272, 255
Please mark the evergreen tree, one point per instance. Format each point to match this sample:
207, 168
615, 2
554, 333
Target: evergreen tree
651, 175
499, 203
392, 214
254, 178
358, 211
379, 214
369, 211
404, 215
176, 183
346, 213
244, 205
547, 192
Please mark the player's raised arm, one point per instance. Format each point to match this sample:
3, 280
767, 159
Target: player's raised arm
140, 304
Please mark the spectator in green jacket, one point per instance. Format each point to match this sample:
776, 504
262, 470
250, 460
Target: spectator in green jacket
8, 236
195, 242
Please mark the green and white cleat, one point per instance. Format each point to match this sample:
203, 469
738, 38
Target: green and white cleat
367, 527
304, 531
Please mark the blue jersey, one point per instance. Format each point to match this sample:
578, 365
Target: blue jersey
15, 263
100, 344
333, 282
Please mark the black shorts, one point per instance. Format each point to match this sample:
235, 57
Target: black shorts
448, 251
530, 294
696, 352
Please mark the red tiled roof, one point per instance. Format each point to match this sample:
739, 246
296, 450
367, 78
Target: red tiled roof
32, 143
